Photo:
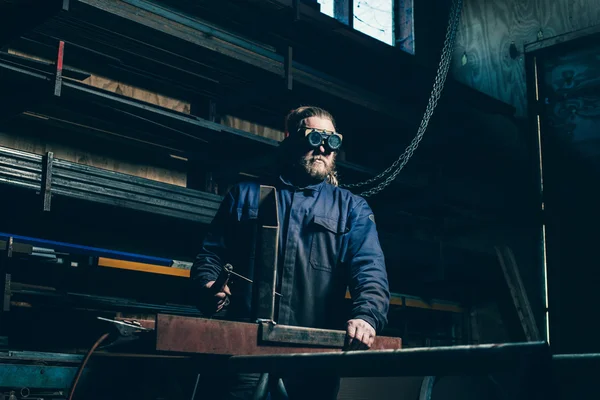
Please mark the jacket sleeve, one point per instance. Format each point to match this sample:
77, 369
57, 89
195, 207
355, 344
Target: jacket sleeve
215, 246
368, 281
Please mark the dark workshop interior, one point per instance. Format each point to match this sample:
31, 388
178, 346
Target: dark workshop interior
471, 128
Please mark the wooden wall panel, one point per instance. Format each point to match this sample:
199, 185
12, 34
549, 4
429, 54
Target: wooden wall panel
123, 89
483, 58
249, 126
138, 93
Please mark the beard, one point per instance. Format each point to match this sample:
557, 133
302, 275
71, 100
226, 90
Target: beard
317, 167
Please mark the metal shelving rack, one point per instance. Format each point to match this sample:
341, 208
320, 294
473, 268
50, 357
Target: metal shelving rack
59, 178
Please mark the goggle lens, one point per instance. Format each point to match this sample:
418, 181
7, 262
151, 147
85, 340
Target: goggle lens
331, 141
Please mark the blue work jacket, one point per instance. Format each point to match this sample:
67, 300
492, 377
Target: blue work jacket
328, 242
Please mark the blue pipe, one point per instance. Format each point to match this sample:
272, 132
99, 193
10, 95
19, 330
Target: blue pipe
87, 250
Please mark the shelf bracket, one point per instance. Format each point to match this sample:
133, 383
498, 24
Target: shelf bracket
59, 69
46, 183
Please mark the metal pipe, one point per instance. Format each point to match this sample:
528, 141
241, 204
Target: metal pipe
576, 357
447, 361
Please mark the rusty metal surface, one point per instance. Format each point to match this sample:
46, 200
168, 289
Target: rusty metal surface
199, 335
387, 343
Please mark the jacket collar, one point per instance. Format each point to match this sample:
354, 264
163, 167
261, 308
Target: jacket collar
313, 188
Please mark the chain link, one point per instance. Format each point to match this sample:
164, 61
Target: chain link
438, 86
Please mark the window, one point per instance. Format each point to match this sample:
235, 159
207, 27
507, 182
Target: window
327, 7
390, 21
375, 18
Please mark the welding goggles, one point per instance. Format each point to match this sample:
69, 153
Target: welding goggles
331, 141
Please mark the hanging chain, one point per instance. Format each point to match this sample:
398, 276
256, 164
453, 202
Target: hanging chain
440, 80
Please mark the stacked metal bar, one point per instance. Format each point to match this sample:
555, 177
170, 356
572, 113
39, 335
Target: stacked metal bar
24, 170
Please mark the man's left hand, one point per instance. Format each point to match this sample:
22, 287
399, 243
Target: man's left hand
360, 335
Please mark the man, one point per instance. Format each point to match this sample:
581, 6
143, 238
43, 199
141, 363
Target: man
328, 242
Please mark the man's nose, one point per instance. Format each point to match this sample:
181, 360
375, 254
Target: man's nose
321, 149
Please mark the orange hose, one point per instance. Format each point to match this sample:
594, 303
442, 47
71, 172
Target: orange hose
85, 360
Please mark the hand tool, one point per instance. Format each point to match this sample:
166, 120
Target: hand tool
223, 279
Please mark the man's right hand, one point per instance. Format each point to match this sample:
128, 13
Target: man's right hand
211, 302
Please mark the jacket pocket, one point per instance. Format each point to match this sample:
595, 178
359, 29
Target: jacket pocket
244, 214
326, 236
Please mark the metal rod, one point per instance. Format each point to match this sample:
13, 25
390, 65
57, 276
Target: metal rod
195, 387
248, 280
240, 276
447, 361
578, 356
20, 356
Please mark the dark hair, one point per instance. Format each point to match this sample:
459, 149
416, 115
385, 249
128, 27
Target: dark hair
295, 119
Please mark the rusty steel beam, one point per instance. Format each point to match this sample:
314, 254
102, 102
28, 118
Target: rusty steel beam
209, 336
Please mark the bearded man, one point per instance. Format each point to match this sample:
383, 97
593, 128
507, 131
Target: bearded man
328, 243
